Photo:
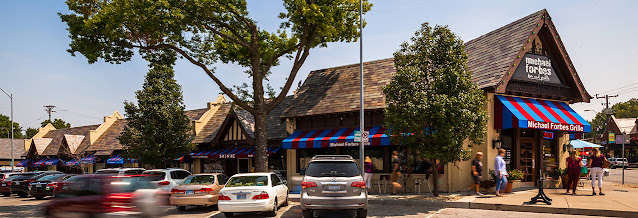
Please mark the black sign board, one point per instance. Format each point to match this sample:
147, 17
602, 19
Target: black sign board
537, 68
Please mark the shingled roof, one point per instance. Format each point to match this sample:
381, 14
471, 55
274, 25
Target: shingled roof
58, 137
108, 140
210, 130
276, 126
196, 113
18, 148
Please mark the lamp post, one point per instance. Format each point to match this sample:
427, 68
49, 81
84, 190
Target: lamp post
12, 158
361, 111
624, 135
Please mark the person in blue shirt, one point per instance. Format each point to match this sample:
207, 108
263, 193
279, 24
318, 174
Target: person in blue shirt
501, 171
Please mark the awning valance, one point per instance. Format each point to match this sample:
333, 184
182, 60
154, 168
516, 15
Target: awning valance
115, 160
343, 137
516, 112
230, 153
52, 162
40, 163
89, 159
73, 162
23, 163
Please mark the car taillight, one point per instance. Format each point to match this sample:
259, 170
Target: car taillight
58, 188
118, 202
177, 191
204, 190
164, 183
263, 195
30, 180
223, 197
360, 184
8, 183
308, 184
53, 184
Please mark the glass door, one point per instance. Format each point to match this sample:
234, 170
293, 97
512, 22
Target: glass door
528, 159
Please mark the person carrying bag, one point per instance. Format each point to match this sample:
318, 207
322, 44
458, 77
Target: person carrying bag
597, 162
574, 167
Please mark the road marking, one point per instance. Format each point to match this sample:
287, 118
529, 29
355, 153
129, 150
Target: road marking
435, 213
214, 214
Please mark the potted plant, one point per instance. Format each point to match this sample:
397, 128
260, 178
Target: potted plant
562, 174
515, 176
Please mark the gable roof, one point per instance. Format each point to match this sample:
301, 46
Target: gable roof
246, 120
196, 113
18, 148
624, 125
108, 140
211, 128
57, 138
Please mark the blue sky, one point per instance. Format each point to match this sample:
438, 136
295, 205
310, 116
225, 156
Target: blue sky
37, 69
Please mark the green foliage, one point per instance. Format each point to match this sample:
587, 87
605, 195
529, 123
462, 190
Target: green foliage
628, 109
5, 128
57, 123
515, 174
559, 172
31, 132
157, 130
433, 106
209, 32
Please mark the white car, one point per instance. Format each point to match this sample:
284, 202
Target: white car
166, 179
618, 162
253, 192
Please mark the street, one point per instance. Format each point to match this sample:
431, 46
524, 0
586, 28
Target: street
615, 176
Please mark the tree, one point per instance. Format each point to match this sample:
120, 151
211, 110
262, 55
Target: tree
433, 106
157, 130
211, 32
31, 132
628, 109
5, 128
57, 123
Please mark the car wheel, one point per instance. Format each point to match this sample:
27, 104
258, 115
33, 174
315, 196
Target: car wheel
23, 195
39, 197
306, 214
181, 208
228, 214
285, 204
361, 213
6, 194
273, 213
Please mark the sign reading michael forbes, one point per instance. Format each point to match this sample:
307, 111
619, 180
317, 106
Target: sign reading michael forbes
536, 68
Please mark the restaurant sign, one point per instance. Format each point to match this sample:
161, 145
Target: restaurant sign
536, 68
555, 126
346, 144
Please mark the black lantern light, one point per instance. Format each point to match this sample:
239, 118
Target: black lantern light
496, 143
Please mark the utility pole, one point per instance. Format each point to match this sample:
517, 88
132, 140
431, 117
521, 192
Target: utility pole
608, 111
49, 110
12, 158
361, 111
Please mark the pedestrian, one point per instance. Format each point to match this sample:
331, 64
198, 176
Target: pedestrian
574, 166
368, 167
477, 172
501, 171
394, 177
595, 162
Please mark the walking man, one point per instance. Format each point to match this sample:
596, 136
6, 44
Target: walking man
477, 172
501, 171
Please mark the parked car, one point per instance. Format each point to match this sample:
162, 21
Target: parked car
45, 186
253, 192
96, 195
121, 171
5, 185
20, 184
618, 162
166, 179
4, 176
198, 189
333, 182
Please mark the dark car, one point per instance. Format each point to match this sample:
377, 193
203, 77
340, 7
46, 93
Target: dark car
103, 194
20, 184
5, 185
46, 185
4, 176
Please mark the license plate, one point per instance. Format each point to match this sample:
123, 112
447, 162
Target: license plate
38, 186
190, 192
240, 197
334, 188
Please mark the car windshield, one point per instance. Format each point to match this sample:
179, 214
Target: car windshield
240, 181
155, 175
50, 177
332, 168
25, 176
199, 180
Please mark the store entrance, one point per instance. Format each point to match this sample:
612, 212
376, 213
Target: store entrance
528, 159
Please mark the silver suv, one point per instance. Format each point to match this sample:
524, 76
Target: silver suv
618, 162
333, 182
166, 179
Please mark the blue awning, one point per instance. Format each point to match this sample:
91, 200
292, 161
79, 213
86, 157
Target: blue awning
73, 163
115, 160
40, 163
343, 137
583, 144
89, 159
23, 163
516, 112
52, 162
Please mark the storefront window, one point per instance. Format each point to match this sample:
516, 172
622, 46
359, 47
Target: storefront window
550, 155
376, 153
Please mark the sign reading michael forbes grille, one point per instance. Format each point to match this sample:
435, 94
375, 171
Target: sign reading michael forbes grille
536, 68
555, 126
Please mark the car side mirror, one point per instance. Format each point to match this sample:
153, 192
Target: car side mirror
302, 171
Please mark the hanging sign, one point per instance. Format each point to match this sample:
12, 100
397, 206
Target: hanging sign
548, 135
536, 68
612, 137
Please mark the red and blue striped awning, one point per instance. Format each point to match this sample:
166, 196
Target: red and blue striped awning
343, 137
52, 162
40, 163
23, 163
219, 153
89, 159
115, 160
516, 112
73, 162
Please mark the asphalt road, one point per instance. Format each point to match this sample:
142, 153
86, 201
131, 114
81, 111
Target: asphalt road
615, 176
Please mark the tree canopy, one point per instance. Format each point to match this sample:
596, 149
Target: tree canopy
211, 32
5, 128
157, 130
433, 107
57, 123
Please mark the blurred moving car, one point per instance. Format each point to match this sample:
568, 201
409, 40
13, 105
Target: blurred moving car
93, 195
45, 186
333, 182
198, 189
166, 179
121, 171
20, 184
618, 162
253, 192
5, 185
4, 176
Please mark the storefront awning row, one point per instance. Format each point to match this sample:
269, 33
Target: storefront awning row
40, 163
343, 137
516, 112
89, 159
52, 162
23, 163
120, 160
72, 163
230, 153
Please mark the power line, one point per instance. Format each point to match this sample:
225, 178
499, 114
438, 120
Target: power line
632, 84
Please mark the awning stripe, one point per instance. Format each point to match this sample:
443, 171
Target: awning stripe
559, 112
333, 138
23, 163
544, 111
535, 109
551, 111
566, 112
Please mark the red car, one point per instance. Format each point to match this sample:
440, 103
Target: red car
101, 194
5, 186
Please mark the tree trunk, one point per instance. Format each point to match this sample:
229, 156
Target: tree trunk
261, 143
435, 180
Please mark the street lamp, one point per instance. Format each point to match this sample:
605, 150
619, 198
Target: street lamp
12, 158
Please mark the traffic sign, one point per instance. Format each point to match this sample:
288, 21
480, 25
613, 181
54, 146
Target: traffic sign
365, 136
357, 136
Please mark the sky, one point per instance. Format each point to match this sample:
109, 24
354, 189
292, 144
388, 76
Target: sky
38, 71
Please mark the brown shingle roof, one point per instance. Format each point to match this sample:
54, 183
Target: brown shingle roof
491, 54
58, 138
246, 120
276, 126
195, 114
18, 148
336, 90
210, 130
108, 140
